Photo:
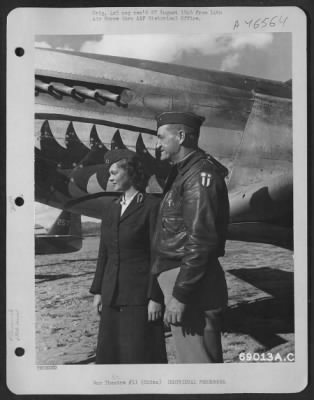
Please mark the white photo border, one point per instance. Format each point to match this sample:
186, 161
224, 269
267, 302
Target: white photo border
23, 375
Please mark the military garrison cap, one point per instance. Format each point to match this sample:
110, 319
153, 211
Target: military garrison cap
185, 118
116, 155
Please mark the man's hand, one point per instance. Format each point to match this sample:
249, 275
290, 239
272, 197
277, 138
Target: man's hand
174, 312
154, 310
97, 304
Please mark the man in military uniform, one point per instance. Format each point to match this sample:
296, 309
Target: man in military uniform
190, 236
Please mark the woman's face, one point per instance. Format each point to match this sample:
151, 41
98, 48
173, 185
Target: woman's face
119, 179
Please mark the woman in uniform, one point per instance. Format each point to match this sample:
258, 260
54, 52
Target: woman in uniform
125, 294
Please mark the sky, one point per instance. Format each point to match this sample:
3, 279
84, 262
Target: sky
262, 55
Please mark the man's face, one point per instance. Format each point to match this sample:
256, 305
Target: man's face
168, 143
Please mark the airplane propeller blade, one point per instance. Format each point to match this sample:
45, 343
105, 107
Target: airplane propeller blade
94, 196
75, 202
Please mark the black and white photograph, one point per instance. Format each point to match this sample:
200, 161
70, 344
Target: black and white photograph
166, 219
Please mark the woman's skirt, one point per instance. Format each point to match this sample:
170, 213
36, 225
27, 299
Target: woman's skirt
127, 337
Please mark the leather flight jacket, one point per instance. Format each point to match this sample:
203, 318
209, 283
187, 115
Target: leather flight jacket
191, 230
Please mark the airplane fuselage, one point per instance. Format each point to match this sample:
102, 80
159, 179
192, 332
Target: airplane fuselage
89, 104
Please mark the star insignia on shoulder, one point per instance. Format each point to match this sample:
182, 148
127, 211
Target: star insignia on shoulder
206, 179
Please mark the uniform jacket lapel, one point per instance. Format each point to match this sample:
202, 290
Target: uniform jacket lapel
116, 211
135, 204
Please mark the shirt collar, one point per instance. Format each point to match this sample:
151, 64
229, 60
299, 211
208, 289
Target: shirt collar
128, 201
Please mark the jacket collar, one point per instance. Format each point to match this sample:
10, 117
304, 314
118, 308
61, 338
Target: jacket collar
185, 165
136, 203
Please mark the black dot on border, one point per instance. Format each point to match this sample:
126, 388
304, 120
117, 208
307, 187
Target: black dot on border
19, 351
19, 51
19, 201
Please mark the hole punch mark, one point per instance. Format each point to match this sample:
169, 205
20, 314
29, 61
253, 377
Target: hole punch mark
19, 351
19, 201
19, 51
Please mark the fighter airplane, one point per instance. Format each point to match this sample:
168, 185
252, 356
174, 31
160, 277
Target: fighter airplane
88, 104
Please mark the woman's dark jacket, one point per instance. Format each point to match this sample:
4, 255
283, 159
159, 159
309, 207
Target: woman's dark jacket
123, 271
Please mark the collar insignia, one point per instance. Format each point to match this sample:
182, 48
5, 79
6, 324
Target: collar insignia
139, 198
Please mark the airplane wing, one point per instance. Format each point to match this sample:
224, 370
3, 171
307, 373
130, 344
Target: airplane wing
263, 212
65, 235
89, 104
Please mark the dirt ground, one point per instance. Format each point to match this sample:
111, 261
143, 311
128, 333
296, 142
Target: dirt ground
259, 318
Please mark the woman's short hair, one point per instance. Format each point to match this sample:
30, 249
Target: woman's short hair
135, 169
